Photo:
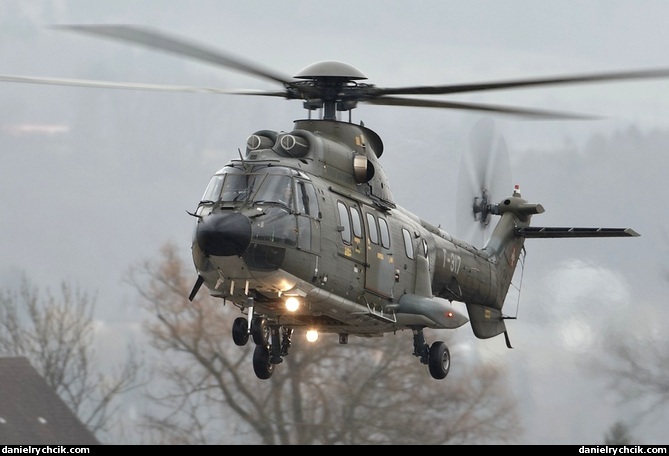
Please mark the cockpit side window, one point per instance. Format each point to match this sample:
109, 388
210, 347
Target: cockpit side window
307, 201
213, 191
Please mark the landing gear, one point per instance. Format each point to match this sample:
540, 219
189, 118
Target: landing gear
240, 334
437, 357
439, 361
260, 331
261, 362
272, 342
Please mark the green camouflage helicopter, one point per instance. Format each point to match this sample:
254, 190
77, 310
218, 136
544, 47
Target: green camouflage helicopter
301, 232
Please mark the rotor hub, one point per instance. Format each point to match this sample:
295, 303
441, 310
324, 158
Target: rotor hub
482, 208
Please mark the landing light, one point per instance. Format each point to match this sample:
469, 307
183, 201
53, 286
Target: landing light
312, 335
292, 304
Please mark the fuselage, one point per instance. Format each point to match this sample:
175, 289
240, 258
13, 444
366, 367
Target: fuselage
309, 215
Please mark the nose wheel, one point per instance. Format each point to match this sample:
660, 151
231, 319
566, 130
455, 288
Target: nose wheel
262, 365
260, 331
240, 333
272, 341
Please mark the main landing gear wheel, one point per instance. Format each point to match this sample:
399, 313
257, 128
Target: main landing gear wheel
261, 362
437, 357
439, 361
240, 334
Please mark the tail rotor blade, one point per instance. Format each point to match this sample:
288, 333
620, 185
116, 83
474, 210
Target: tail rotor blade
484, 178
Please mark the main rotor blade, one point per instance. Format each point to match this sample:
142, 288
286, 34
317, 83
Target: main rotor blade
135, 86
179, 46
522, 112
576, 79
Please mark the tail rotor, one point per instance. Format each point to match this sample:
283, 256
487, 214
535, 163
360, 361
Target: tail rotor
484, 179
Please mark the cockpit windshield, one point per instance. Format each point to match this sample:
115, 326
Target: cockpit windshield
281, 201
233, 185
276, 189
239, 186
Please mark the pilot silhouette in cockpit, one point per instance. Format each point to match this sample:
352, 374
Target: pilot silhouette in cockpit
286, 197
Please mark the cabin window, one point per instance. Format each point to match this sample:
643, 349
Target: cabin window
344, 222
357, 222
385, 233
372, 230
425, 251
408, 245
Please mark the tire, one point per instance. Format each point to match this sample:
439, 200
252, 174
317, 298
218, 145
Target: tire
260, 331
240, 334
261, 365
439, 361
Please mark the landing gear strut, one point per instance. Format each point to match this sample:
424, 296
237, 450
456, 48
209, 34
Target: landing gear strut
270, 348
437, 357
272, 341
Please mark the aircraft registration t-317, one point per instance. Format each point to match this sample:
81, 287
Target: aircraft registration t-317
301, 232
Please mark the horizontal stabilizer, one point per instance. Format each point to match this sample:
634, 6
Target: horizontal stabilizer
567, 232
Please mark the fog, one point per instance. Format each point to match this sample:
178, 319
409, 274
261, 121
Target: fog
93, 181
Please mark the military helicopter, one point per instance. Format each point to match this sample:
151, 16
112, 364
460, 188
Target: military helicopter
301, 232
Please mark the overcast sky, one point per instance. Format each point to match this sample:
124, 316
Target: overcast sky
92, 181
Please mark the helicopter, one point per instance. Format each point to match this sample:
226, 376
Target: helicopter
301, 232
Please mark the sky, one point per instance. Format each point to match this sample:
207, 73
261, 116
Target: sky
94, 181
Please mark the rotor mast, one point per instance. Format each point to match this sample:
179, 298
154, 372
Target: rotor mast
330, 81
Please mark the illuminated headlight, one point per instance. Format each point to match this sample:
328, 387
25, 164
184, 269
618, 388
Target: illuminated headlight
292, 304
312, 335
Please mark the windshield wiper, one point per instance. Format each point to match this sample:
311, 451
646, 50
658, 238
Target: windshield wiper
244, 194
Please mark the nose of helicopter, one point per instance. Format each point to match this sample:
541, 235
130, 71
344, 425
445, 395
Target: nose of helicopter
223, 234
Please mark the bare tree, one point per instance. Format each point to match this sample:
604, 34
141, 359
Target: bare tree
636, 367
637, 370
56, 335
323, 393
619, 434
